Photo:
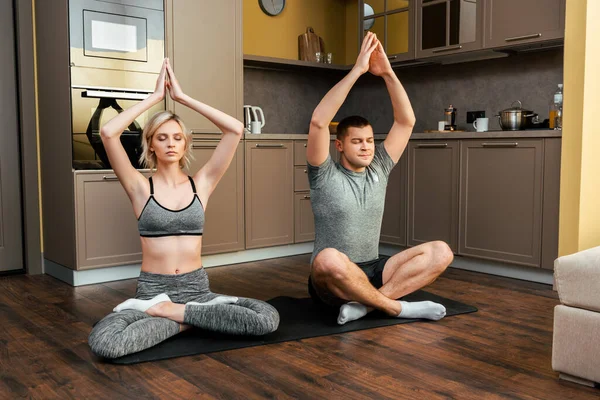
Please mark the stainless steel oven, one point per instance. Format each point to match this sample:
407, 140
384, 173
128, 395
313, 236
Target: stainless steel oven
116, 50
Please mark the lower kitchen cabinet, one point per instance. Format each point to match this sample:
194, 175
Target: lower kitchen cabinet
224, 220
269, 193
433, 178
501, 200
304, 221
105, 223
393, 225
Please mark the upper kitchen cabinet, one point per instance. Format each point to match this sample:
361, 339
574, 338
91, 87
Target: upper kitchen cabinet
516, 22
393, 22
204, 44
448, 26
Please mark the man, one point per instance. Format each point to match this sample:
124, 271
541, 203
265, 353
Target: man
348, 200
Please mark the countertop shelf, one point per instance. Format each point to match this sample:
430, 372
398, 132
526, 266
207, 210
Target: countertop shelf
288, 65
533, 133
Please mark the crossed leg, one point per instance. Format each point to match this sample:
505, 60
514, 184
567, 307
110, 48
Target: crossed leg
333, 274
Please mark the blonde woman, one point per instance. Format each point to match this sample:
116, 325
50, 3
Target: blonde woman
173, 291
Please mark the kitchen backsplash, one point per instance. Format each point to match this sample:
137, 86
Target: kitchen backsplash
289, 98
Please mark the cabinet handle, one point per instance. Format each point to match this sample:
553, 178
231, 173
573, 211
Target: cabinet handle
306, 196
204, 146
447, 49
269, 145
392, 57
304, 144
434, 145
513, 39
305, 171
110, 178
513, 144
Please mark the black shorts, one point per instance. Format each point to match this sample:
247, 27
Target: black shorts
374, 271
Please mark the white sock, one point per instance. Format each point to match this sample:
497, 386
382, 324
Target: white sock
351, 311
141, 305
422, 309
216, 300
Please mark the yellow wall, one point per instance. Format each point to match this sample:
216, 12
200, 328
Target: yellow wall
278, 36
579, 226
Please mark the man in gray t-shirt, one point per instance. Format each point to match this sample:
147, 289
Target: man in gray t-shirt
348, 200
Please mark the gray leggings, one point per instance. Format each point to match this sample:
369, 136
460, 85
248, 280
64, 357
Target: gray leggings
130, 331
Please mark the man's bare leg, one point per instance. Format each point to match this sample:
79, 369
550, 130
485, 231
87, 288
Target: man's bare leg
405, 273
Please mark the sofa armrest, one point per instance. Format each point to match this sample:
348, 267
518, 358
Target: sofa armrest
577, 279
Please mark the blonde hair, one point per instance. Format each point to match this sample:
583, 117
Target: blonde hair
148, 158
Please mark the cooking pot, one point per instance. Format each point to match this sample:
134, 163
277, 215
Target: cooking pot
516, 118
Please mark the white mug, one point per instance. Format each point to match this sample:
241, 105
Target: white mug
481, 124
255, 126
441, 125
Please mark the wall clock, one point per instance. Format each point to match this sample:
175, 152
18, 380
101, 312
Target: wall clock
272, 7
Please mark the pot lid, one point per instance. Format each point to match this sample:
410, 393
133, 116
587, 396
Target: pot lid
516, 109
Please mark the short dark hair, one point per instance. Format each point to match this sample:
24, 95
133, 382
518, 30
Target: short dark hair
353, 121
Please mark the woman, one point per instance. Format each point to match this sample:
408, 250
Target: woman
173, 292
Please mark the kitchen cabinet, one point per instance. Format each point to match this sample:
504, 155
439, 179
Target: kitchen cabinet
501, 200
433, 179
393, 225
105, 224
393, 22
269, 193
550, 202
204, 44
448, 26
304, 220
515, 22
224, 219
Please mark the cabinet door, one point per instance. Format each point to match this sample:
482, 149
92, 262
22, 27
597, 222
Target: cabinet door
393, 226
269, 193
224, 223
106, 227
448, 26
551, 202
514, 22
393, 22
501, 202
433, 178
304, 221
205, 48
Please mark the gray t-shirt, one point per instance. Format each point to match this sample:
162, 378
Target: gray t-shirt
348, 206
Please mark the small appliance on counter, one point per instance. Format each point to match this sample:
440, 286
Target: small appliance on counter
450, 118
252, 122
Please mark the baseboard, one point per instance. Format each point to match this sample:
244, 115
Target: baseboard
532, 274
109, 274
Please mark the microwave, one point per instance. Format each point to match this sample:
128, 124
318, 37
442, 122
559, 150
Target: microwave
123, 35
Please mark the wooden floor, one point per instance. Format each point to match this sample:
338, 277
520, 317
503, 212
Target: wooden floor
502, 351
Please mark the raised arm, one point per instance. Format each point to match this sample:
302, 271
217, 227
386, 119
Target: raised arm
318, 133
404, 117
209, 175
134, 183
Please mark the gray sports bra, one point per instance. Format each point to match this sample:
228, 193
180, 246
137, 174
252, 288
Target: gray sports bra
157, 220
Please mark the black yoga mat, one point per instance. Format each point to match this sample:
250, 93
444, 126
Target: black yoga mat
300, 319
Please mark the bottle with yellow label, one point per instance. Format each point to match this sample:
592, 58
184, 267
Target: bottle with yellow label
555, 115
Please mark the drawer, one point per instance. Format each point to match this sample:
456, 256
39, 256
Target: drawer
300, 152
301, 179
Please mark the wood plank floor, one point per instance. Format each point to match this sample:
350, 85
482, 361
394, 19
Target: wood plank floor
502, 351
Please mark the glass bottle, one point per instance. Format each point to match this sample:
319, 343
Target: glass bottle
555, 117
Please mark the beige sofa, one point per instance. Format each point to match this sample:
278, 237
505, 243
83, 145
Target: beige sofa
576, 344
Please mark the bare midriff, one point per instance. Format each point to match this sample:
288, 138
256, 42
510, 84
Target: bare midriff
171, 255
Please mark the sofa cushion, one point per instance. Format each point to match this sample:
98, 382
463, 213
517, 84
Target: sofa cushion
575, 349
577, 279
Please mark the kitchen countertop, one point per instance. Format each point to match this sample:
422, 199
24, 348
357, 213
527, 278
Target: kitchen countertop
537, 133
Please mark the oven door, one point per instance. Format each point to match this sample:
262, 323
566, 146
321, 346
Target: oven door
124, 35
